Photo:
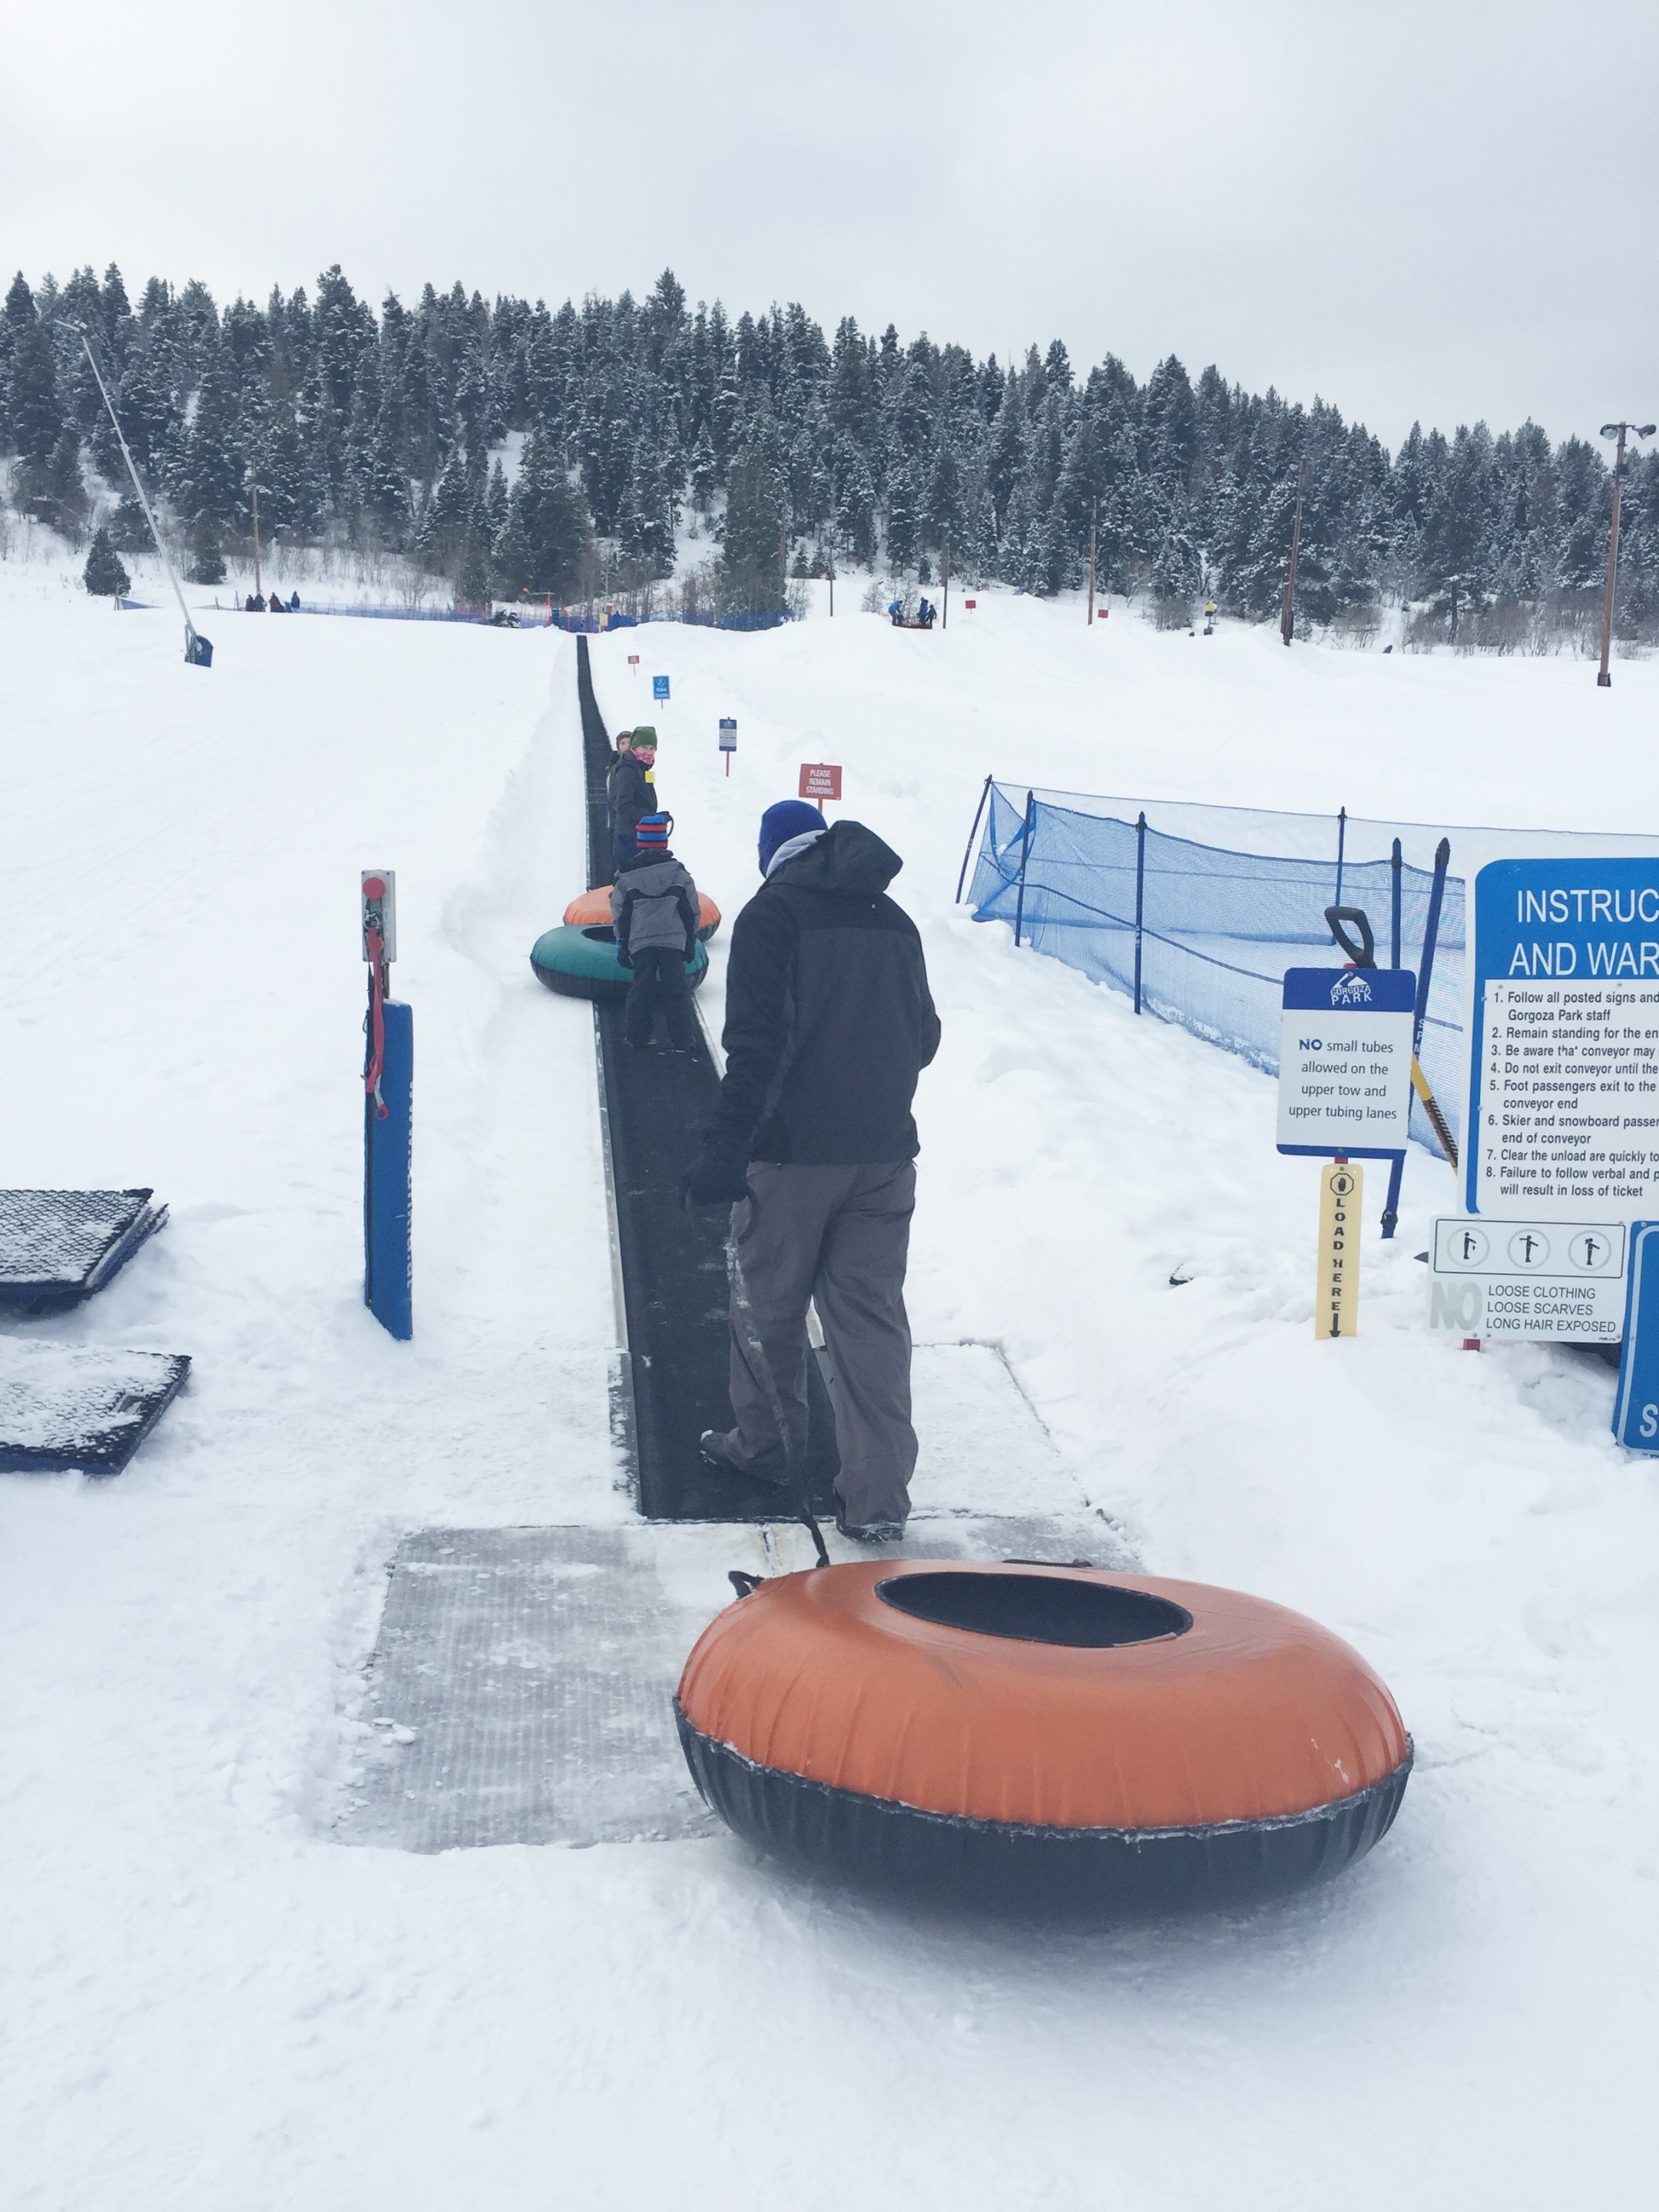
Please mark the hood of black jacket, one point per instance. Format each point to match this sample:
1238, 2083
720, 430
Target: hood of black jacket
847, 858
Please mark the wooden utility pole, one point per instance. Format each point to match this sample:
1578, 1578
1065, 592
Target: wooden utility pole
945, 565
258, 593
830, 569
1615, 430
1094, 535
1287, 612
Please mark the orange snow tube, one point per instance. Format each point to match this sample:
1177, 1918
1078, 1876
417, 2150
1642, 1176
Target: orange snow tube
1037, 1735
592, 909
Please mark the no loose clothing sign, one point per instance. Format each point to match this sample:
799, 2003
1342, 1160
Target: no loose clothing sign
819, 781
1539, 1280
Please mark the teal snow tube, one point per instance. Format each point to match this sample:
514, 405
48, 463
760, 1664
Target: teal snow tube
582, 963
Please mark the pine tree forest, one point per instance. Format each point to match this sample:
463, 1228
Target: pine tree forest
632, 427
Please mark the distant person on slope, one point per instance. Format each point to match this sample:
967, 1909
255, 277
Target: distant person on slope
829, 1022
633, 795
653, 909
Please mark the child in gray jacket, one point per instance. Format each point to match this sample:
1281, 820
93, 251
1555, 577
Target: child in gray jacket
655, 912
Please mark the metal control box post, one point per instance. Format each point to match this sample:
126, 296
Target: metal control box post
388, 1105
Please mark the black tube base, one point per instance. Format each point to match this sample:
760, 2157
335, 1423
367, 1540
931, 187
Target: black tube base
1105, 1873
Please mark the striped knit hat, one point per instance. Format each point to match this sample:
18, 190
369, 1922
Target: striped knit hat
652, 836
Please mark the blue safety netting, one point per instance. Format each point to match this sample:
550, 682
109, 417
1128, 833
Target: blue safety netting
1219, 923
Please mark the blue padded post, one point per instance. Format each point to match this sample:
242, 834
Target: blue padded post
387, 1275
1140, 897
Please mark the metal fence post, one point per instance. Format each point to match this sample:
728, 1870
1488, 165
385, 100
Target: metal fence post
1396, 864
1397, 1164
978, 812
1342, 844
1140, 897
1024, 855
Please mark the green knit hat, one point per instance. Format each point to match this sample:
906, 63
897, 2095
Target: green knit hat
645, 735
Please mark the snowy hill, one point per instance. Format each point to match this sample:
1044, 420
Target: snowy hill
213, 2005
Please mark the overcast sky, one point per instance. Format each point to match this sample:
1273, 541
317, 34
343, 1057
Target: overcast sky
1446, 209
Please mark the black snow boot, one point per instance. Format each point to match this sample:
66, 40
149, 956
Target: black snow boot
716, 1448
871, 1531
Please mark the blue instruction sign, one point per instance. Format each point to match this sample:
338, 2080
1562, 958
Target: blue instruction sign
1563, 1057
1636, 1407
1345, 1061
728, 735
659, 687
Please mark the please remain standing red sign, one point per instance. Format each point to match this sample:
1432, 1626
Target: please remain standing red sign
819, 781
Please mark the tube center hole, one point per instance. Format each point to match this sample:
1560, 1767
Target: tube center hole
1036, 1608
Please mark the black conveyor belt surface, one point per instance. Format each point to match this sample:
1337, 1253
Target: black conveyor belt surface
673, 1263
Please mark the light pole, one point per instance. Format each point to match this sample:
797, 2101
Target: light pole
253, 485
1618, 430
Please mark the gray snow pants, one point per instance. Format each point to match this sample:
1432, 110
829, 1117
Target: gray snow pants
838, 1236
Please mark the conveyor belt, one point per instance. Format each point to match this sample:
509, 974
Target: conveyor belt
672, 1263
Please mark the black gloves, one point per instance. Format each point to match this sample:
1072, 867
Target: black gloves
719, 1177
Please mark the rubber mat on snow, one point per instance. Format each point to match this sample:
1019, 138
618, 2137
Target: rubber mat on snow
58, 1247
80, 1408
521, 1687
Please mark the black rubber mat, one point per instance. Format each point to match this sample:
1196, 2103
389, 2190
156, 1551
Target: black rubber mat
58, 1247
673, 1263
80, 1408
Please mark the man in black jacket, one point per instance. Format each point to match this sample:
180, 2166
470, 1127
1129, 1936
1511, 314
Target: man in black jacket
829, 1022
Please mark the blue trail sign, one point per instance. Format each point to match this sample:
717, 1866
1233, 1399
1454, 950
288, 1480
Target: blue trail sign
659, 687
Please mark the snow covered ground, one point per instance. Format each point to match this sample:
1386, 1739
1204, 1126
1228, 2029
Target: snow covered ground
206, 2004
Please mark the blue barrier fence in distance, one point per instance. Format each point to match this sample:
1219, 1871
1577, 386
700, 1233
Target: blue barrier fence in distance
1195, 912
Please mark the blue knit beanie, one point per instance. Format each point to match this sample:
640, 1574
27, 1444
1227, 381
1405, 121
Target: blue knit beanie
790, 818
652, 836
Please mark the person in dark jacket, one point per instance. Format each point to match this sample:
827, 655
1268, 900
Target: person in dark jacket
653, 910
633, 795
829, 1024
624, 741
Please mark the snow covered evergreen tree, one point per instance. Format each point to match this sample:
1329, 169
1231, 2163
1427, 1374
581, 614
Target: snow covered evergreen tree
104, 575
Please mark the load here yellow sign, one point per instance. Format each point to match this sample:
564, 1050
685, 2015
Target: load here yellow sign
1336, 1301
